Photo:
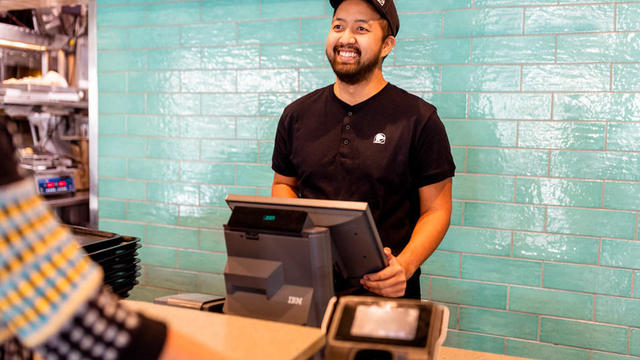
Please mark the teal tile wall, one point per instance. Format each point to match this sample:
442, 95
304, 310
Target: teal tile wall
541, 102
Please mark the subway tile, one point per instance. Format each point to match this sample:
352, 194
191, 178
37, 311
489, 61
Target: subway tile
456, 212
569, 19
212, 240
416, 26
148, 294
264, 191
112, 209
212, 284
173, 193
595, 165
240, 57
507, 21
494, 3
291, 8
477, 342
119, 103
154, 81
450, 105
559, 192
223, 10
636, 289
442, 263
230, 150
481, 133
429, 52
628, 15
175, 59
230, 104
510, 106
121, 16
620, 253
208, 173
273, 104
634, 342
174, 13
584, 335
153, 37
591, 222
110, 2
266, 152
508, 50
201, 261
153, 213
469, 293
257, 127
423, 78
158, 256
459, 157
592, 279
270, 31
208, 127
618, 195
153, 169
453, 316
551, 302
504, 216
315, 30
214, 195
575, 249
173, 104
152, 126
315, 78
503, 323
208, 34
162, 148
172, 279
508, 161
503, 270
122, 189
298, 55
561, 135
625, 77
619, 311
610, 356
545, 351
112, 82
620, 47
481, 78
477, 241
172, 236
603, 107
122, 60
282, 80
589, 77
420, 5
208, 81
112, 125
255, 175
112, 167
122, 146
123, 228
212, 218
480, 187
623, 137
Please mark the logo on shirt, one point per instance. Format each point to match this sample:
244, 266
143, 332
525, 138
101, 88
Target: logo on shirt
381, 2
380, 138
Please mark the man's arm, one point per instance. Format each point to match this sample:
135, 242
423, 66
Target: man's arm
284, 186
435, 215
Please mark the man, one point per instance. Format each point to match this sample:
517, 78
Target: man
363, 139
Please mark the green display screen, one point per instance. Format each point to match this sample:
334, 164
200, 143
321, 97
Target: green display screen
269, 218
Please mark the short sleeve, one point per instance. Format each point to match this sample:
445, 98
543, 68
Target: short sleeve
281, 161
433, 161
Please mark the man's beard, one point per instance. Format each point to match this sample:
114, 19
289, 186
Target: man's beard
353, 73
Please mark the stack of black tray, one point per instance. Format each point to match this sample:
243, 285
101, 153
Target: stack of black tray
117, 254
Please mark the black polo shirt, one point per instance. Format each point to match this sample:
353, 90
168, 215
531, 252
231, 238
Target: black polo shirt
380, 151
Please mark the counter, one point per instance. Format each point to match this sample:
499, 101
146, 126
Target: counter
237, 337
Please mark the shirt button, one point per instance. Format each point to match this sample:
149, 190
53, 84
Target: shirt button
345, 141
349, 113
348, 127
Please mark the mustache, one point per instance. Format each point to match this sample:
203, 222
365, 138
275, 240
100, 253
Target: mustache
354, 48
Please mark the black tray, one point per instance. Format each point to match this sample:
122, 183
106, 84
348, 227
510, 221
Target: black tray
129, 266
123, 276
94, 240
116, 254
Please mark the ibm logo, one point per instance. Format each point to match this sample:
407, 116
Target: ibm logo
294, 300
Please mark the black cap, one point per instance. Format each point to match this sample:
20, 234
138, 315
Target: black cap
386, 8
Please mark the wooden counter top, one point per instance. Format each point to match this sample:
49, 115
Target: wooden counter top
237, 337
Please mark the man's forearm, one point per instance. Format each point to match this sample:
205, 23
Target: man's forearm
283, 190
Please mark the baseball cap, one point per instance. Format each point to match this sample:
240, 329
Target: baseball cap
386, 8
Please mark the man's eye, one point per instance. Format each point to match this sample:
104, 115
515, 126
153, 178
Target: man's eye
362, 29
337, 27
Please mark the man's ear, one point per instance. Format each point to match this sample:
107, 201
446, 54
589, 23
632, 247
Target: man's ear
388, 45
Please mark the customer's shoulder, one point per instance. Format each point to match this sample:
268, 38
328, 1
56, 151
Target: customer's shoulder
405, 100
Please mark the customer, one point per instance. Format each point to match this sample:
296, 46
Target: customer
363, 139
51, 293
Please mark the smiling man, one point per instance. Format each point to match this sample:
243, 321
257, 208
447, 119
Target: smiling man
363, 139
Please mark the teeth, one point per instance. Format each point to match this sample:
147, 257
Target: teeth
351, 54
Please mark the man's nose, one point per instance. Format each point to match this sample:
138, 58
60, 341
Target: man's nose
347, 37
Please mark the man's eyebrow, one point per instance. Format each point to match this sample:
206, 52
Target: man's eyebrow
358, 20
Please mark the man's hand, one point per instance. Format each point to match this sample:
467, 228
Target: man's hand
390, 281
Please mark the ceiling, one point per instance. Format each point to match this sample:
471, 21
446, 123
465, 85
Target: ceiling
36, 4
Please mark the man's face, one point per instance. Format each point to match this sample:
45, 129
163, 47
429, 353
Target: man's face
355, 41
